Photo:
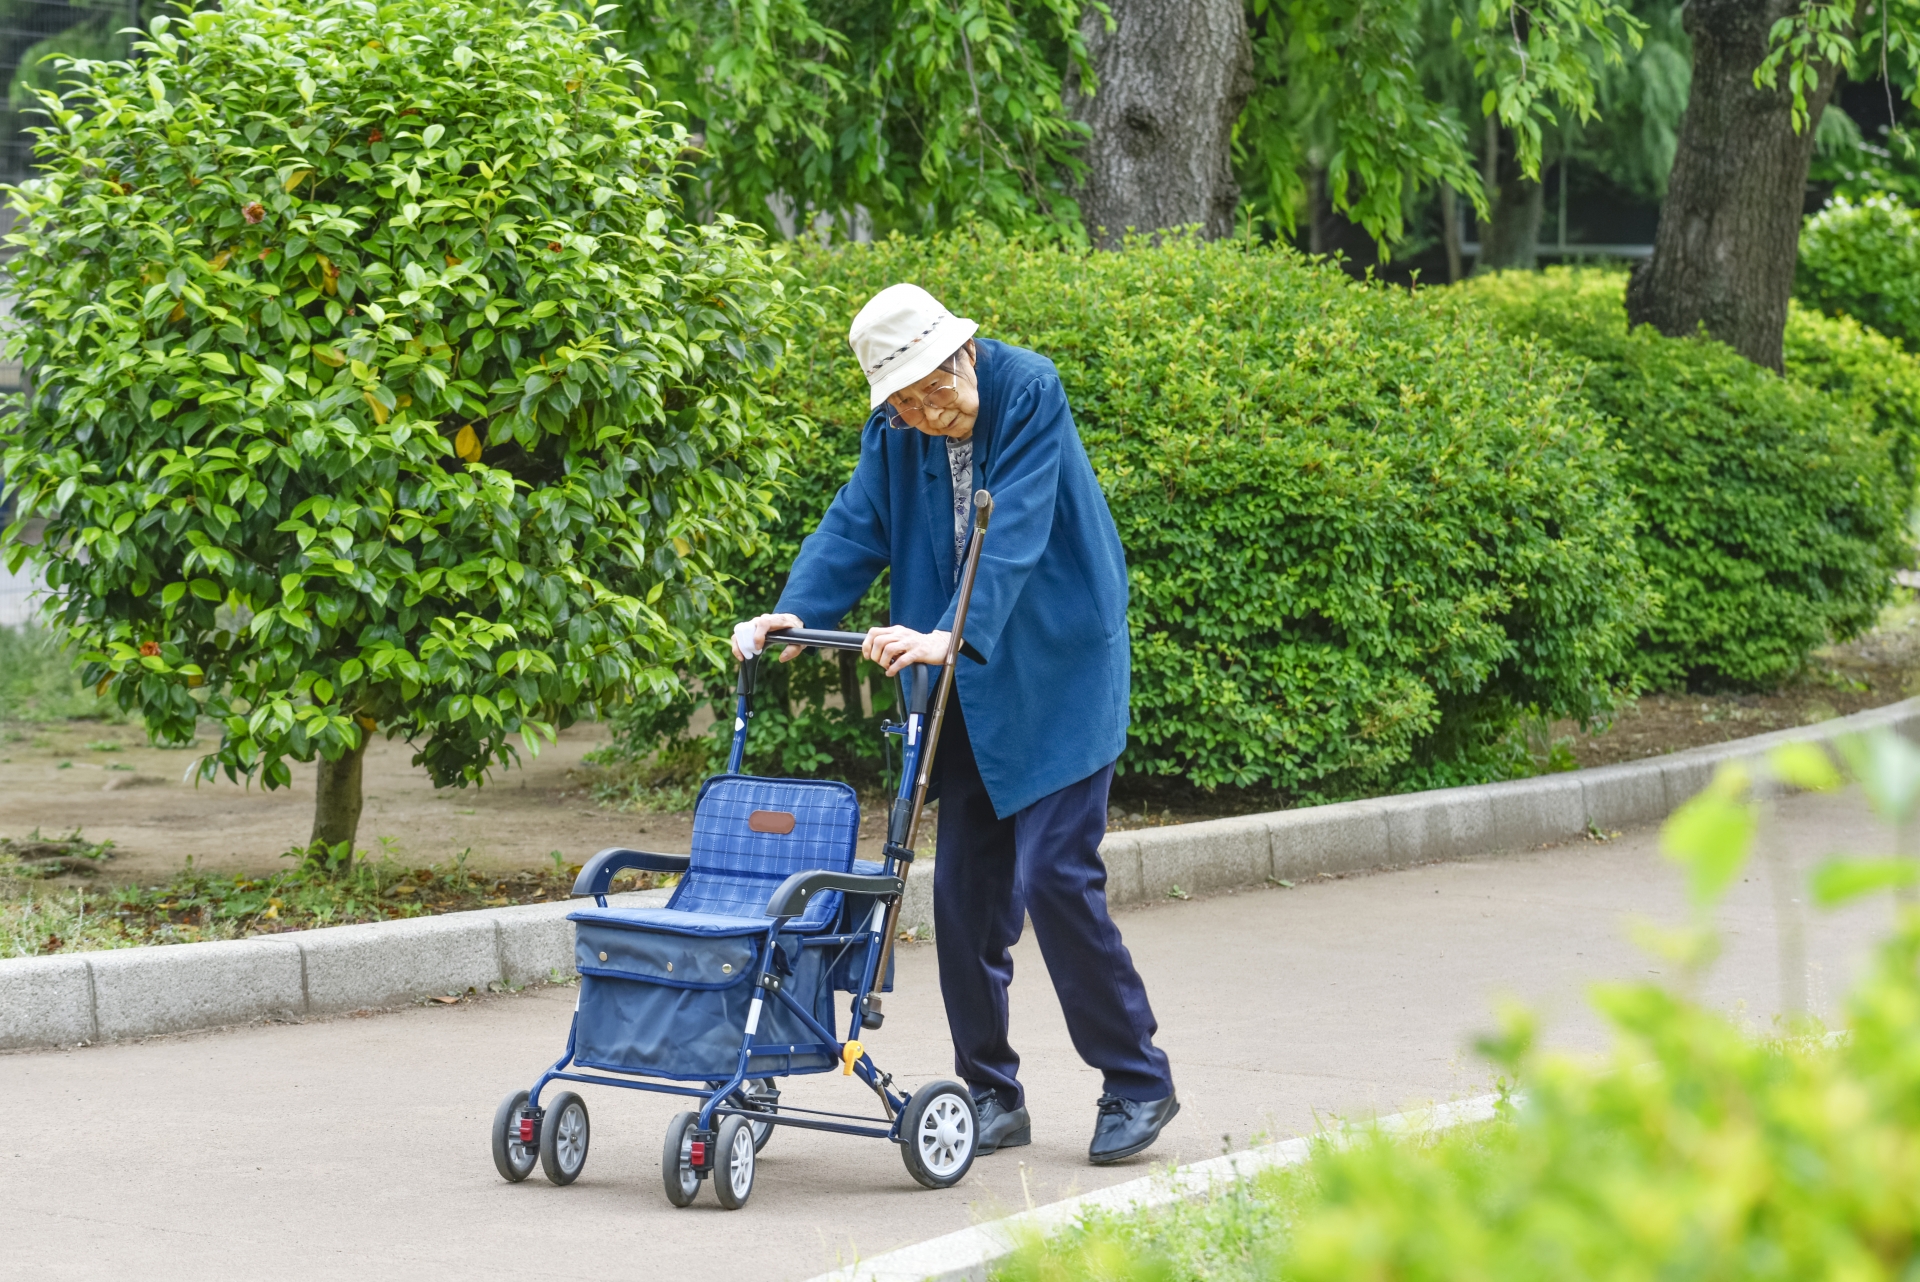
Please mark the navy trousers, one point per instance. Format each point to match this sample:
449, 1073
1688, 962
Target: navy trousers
989, 874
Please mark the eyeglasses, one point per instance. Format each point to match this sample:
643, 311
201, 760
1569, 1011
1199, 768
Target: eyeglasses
940, 398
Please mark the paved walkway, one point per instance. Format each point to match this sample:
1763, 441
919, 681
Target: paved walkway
356, 1148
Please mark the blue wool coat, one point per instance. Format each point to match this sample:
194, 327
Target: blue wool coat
1044, 682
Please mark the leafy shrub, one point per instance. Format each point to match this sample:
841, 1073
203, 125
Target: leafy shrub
1839, 355
1695, 1150
1862, 259
1363, 535
378, 381
1769, 513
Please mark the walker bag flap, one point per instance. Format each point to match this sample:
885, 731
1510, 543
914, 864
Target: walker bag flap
676, 961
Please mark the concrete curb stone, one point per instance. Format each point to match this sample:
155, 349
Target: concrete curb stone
133, 992
140, 991
1328, 839
1533, 812
1211, 855
385, 963
1621, 796
74, 998
46, 1001
1445, 824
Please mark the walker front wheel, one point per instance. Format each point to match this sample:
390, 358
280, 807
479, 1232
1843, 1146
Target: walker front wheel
937, 1133
514, 1153
677, 1170
563, 1138
733, 1163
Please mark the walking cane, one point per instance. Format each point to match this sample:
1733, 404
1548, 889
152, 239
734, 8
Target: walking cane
904, 851
903, 824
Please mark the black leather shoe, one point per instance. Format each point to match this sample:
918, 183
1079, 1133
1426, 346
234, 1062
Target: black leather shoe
1126, 1127
1000, 1127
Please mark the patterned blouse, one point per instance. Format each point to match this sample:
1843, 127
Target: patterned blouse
960, 463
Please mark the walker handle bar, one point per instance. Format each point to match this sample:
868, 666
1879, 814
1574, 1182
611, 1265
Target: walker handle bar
820, 638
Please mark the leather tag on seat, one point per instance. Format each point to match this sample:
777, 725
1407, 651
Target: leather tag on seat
779, 821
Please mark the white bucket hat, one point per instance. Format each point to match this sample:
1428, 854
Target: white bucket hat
901, 336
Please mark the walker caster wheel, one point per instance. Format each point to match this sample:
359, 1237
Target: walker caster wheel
677, 1170
563, 1138
514, 1151
733, 1163
937, 1133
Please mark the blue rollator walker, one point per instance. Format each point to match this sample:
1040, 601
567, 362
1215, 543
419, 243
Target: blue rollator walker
731, 985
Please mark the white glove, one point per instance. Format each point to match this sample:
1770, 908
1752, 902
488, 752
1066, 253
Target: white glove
743, 638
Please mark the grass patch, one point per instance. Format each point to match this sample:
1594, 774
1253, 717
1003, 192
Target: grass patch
1233, 1235
38, 918
1236, 1233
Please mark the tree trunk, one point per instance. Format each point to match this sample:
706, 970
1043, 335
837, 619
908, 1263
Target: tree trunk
337, 797
1321, 232
1172, 80
1730, 225
1450, 230
1511, 242
1510, 238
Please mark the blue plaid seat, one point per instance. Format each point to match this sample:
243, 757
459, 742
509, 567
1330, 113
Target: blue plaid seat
737, 862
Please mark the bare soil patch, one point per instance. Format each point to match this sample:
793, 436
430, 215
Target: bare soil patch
1872, 671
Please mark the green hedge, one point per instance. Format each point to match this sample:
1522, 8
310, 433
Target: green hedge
1838, 354
1770, 515
1364, 534
1863, 260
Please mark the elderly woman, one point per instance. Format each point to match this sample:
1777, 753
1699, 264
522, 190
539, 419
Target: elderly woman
1026, 758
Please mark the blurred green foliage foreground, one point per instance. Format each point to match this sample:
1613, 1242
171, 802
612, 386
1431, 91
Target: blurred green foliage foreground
1697, 1150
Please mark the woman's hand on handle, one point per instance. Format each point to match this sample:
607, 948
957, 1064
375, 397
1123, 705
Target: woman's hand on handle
771, 623
893, 648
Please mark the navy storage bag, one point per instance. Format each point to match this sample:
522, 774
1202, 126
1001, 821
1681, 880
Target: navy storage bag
666, 991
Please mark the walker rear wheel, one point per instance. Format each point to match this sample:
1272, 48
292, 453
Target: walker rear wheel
733, 1163
513, 1157
759, 1095
677, 1171
563, 1138
937, 1133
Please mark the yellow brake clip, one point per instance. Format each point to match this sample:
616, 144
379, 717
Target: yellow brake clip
850, 1055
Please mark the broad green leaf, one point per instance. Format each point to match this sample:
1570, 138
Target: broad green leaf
1711, 835
1887, 768
1805, 766
1838, 880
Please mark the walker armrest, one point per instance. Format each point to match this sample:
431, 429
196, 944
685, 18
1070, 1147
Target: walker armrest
597, 873
791, 899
